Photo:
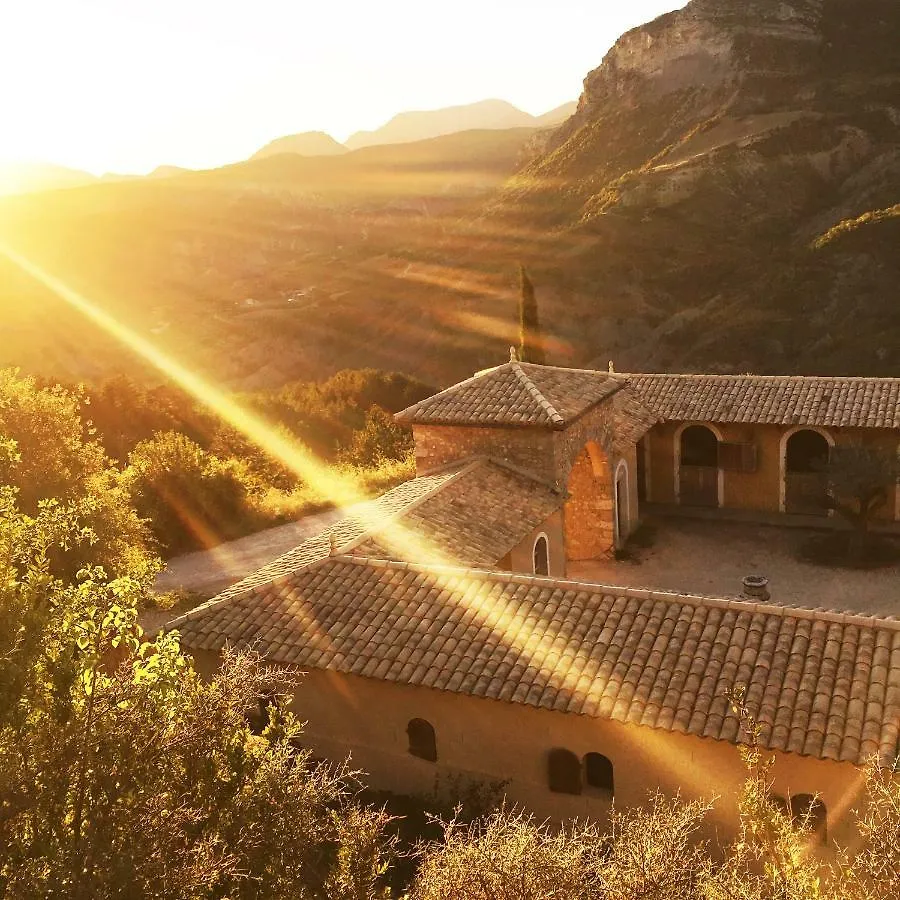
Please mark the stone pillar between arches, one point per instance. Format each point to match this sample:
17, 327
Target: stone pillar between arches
589, 511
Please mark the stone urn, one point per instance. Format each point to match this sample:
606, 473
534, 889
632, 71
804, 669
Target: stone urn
756, 587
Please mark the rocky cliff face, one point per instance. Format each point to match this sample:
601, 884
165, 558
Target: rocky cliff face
710, 150
706, 45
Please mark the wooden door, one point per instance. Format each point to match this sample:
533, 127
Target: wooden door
699, 486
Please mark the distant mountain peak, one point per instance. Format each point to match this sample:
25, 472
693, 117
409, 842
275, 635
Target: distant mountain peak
306, 143
30, 177
418, 125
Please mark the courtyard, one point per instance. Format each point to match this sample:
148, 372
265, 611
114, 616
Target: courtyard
702, 556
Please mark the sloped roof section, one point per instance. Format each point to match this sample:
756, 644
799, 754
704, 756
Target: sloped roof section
472, 514
346, 533
475, 518
821, 684
516, 394
772, 399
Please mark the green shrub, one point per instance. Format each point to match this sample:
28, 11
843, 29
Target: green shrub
50, 455
192, 498
380, 440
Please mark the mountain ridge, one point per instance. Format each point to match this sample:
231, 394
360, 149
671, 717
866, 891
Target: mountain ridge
709, 151
305, 143
724, 199
412, 125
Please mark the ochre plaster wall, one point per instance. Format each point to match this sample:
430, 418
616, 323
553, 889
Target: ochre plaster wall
484, 739
661, 470
760, 490
521, 557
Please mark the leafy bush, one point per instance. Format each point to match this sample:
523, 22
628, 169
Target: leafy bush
380, 440
192, 498
124, 774
50, 455
124, 413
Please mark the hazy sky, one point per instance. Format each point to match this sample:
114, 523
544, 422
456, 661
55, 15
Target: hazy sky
124, 85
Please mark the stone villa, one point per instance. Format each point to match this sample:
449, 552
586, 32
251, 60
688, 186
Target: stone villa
441, 632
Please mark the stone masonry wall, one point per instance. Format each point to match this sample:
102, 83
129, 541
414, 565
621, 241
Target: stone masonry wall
594, 426
528, 448
588, 512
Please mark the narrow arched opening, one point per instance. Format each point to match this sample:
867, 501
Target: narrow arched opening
809, 813
805, 482
698, 466
422, 742
541, 556
563, 772
622, 510
598, 774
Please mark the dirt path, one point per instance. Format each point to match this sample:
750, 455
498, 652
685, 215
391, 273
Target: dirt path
209, 571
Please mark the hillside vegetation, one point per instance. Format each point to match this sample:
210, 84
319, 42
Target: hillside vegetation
149, 471
687, 217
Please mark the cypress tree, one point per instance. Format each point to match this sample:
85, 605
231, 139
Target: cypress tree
531, 341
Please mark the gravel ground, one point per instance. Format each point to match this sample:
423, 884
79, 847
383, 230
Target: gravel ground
705, 557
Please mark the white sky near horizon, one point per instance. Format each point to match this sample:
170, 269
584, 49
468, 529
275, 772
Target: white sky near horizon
127, 85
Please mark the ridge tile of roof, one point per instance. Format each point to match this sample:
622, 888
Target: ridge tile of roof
821, 684
516, 394
772, 399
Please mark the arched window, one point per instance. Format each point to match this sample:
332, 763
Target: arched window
563, 772
541, 556
809, 812
258, 717
421, 740
807, 451
598, 773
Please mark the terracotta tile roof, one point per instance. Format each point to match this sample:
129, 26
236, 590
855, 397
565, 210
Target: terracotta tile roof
476, 517
472, 513
346, 533
516, 394
821, 684
772, 399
